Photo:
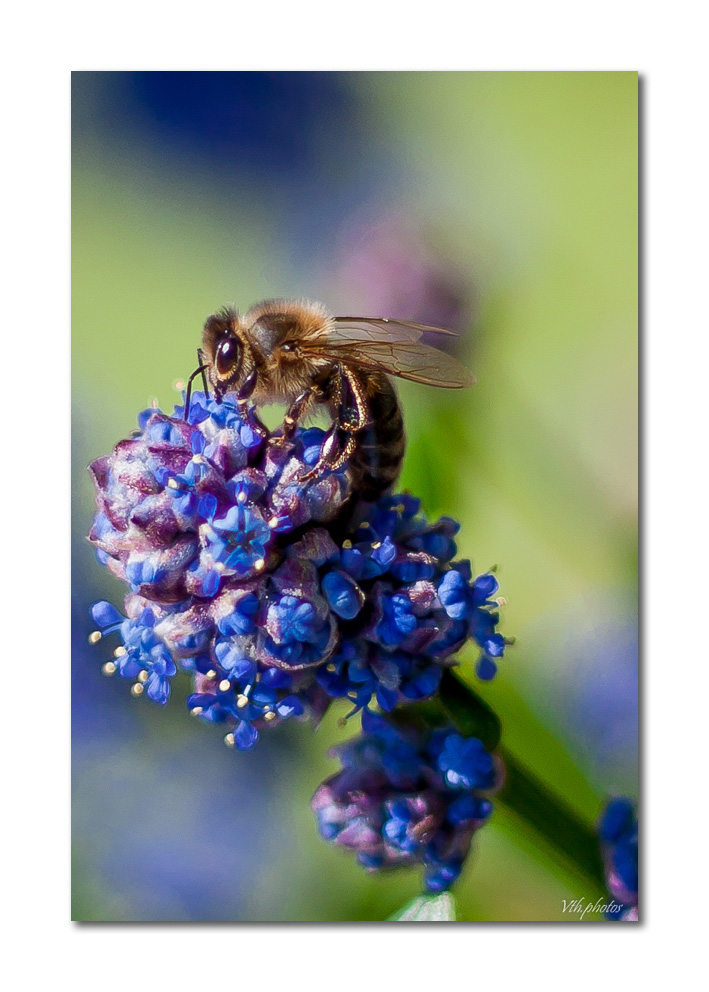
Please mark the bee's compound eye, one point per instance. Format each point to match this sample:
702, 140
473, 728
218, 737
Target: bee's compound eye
227, 355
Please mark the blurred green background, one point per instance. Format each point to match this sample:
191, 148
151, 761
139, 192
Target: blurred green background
501, 204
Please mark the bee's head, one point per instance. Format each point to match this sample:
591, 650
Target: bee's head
227, 356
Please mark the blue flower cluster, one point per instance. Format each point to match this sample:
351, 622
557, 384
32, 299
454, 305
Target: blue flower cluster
618, 830
276, 593
408, 796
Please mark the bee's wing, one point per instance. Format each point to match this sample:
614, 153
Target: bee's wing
393, 347
406, 330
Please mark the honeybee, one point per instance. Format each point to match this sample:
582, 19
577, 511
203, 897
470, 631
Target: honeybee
295, 352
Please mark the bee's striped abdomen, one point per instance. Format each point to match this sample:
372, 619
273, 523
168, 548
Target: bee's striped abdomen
379, 452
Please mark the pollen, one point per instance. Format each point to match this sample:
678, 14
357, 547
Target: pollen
224, 685
347, 544
173, 484
178, 385
273, 522
269, 716
210, 674
501, 601
241, 700
119, 652
241, 498
143, 677
137, 689
109, 668
197, 710
259, 564
229, 740
95, 636
376, 544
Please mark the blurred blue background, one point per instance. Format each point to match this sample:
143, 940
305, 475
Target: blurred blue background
503, 205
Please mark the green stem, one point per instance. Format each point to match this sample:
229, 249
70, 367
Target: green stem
555, 822
523, 793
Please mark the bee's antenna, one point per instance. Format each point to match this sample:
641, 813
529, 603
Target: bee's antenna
196, 372
202, 361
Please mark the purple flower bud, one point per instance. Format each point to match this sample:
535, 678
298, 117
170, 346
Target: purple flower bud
396, 803
618, 831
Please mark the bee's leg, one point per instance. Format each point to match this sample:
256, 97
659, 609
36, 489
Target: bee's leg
340, 442
351, 387
247, 412
333, 461
337, 449
295, 412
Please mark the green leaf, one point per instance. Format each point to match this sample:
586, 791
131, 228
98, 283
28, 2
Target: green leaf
427, 909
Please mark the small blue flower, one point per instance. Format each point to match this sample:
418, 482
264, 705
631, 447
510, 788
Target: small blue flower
142, 656
470, 602
343, 594
241, 620
465, 763
233, 662
241, 540
398, 620
160, 671
455, 595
